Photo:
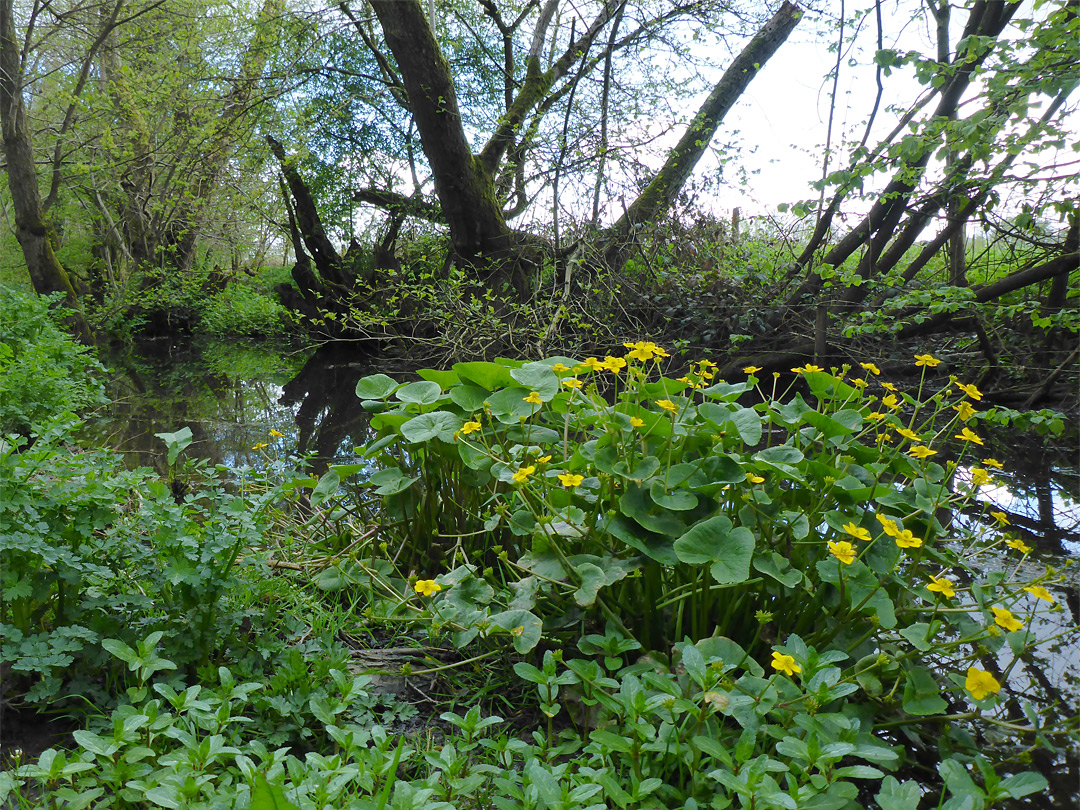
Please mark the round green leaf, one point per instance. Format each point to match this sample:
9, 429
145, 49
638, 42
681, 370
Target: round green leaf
438, 425
538, 377
486, 375
421, 393
376, 386
469, 397
714, 540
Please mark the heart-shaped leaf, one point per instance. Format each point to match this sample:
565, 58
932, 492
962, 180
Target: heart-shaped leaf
437, 425
376, 386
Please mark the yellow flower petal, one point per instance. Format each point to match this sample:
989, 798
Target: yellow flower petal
943, 586
968, 435
857, 532
785, 663
843, 551
981, 684
570, 480
970, 390
1005, 619
1039, 592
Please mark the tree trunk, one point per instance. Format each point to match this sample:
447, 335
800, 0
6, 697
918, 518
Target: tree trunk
33, 232
464, 187
659, 195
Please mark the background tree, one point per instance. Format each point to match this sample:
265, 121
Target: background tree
142, 115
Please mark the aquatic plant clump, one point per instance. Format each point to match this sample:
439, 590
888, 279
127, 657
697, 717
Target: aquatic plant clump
812, 532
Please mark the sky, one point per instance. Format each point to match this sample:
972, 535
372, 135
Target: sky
783, 115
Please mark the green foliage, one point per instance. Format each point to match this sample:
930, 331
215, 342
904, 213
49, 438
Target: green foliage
43, 372
565, 495
93, 551
242, 311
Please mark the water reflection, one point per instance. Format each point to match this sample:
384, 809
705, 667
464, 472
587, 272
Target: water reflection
329, 420
228, 395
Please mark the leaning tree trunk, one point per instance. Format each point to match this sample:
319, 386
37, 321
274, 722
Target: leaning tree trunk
660, 194
31, 228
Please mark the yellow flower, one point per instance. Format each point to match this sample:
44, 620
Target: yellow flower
707, 364
968, 435
891, 402
668, 405
427, 587
570, 480
888, 386
277, 435
979, 477
970, 390
785, 663
888, 525
635, 422
1039, 592
807, 369
523, 473
1019, 545
859, 383
941, 585
905, 539
559, 368
992, 462
685, 380
1004, 618
871, 368
570, 382
594, 363
517, 631
260, 446
981, 684
843, 551
754, 479
615, 364
470, 427
644, 350
885, 438
876, 415
1001, 518
543, 459
965, 410
751, 369
907, 433
927, 360
533, 398
857, 532
921, 452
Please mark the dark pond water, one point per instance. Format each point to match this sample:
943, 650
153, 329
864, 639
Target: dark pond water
233, 395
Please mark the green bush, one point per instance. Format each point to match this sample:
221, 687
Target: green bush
93, 551
240, 310
43, 371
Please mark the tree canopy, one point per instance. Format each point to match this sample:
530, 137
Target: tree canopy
536, 136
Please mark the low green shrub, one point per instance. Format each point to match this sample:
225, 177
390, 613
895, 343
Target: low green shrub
240, 310
43, 371
94, 551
